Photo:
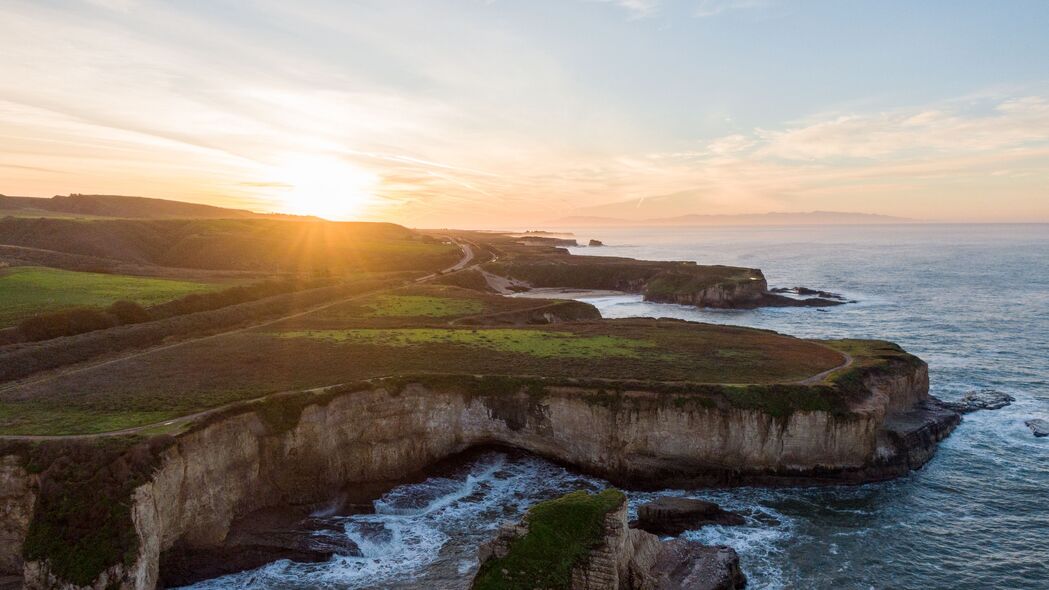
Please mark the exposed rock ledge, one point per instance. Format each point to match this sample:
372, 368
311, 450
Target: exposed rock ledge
245, 461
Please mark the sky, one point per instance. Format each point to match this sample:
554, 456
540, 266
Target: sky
493, 113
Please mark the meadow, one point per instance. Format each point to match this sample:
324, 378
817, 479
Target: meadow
27, 291
355, 341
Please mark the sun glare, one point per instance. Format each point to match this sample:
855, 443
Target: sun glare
326, 187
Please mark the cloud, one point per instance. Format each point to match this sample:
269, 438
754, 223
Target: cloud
920, 162
1008, 124
637, 8
707, 8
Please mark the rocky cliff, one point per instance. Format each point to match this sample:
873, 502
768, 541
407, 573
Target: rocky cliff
745, 293
296, 449
608, 556
17, 498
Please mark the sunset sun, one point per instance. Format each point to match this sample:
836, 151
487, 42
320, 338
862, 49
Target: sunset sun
325, 187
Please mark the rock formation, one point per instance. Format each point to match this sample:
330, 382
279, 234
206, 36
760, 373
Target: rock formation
294, 449
616, 558
1038, 427
673, 516
985, 399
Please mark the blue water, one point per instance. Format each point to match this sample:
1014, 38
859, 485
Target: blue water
973, 301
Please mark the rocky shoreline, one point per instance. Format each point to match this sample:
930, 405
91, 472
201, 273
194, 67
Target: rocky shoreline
239, 463
616, 558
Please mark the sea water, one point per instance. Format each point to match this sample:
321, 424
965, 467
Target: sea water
972, 300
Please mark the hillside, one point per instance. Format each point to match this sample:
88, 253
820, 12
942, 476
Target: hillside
92, 206
235, 244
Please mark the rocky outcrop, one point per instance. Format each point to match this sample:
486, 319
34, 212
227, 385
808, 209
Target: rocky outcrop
595, 243
687, 565
249, 459
728, 294
985, 399
745, 293
1039, 427
622, 558
673, 516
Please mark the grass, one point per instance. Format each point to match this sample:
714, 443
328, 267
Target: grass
427, 305
539, 343
422, 305
560, 534
30, 290
209, 373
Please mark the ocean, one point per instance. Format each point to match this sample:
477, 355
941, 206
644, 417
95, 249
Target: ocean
972, 300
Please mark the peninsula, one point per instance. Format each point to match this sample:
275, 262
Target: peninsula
142, 441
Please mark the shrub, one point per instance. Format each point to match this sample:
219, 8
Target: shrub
128, 312
65, 323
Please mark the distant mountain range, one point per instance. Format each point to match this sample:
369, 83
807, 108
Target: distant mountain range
122, 207
782, 218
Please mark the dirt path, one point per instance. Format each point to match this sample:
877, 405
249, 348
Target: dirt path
821, 376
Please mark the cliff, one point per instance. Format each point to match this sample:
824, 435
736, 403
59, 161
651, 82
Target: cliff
297, 448
582, 542
684, 283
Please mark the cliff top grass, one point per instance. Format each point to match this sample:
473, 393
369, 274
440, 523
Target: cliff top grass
428, 305
553, 269
533, 342
561, 533
400, 306
548, 266
207, 373
29, 290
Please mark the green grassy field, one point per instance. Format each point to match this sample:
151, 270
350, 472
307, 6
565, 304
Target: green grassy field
540, 343
26, 291
209, 373
422, 305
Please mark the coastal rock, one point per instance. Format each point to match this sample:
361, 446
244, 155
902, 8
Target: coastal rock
673, 516
595, 243
258, 540
239, 463
620, 559
690, 565
807, 292
750, 293
1038, 427
985, 399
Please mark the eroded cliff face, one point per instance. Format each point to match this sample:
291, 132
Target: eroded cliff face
726, 295
17, 499
242, 463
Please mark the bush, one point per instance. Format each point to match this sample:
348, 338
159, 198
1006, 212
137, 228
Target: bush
65, 323
128, 312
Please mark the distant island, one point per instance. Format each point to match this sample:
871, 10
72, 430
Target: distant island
774, 218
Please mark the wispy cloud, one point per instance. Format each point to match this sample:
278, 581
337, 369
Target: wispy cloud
494, 122
637, 8
706, 8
